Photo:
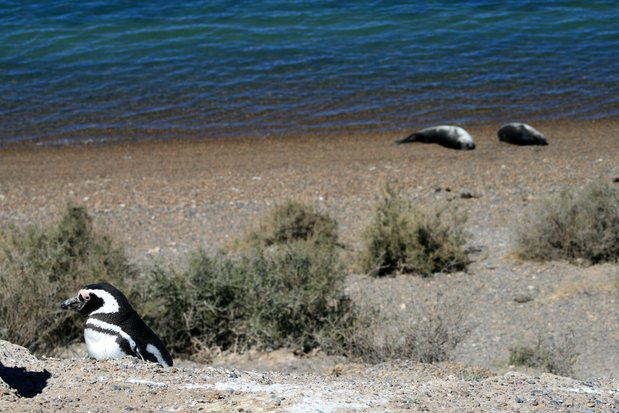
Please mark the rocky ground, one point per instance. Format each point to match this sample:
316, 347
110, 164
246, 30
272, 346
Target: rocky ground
84, 385
165, 199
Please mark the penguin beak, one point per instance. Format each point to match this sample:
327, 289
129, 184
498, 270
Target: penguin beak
73, 303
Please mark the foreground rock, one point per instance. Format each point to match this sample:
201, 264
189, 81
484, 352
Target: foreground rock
77, 384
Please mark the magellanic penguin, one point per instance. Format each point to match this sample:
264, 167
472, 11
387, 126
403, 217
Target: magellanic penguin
113, 329
518, 133
453, 137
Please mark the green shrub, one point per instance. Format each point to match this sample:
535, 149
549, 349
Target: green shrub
41, 267
288, 296
402, 238
575, 225
556, 356
292, 221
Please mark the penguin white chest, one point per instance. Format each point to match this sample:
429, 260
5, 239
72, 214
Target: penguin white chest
101, 345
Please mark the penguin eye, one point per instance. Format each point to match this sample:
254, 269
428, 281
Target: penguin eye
84, 296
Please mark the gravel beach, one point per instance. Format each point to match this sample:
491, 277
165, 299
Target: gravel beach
164, 199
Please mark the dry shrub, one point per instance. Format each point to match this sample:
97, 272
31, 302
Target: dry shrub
282, 288
436, 329
42, 266
292, 221
556, 355
405, 239
263, 298
575, 225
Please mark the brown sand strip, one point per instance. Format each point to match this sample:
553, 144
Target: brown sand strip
174, 196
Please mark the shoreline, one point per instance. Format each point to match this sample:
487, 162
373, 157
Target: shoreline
152, 138
179, 195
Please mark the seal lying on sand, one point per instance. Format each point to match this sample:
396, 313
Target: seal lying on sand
521, 134
449, 136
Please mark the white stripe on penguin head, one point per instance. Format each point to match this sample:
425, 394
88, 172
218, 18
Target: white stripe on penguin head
110, 304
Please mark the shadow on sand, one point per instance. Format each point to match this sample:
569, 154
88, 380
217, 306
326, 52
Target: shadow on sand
26, 383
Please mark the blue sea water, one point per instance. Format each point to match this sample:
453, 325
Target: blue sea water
108, 70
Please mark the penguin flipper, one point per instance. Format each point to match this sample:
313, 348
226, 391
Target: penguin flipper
154, 352
151, 348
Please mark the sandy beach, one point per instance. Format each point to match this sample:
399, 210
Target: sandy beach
170, 197
164, 199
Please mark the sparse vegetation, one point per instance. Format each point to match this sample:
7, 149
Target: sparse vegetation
289, 296
575, 225
292, 221
405, 239
42, 266
284, 288
556, 356
437, 329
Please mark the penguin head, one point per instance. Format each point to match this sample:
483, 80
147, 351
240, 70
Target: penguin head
101, 298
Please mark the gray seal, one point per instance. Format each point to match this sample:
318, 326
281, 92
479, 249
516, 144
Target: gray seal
453, 137
518, 133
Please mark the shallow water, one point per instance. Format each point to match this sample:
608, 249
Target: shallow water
109, 70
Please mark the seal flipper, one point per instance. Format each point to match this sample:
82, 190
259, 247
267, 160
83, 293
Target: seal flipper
410, 138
